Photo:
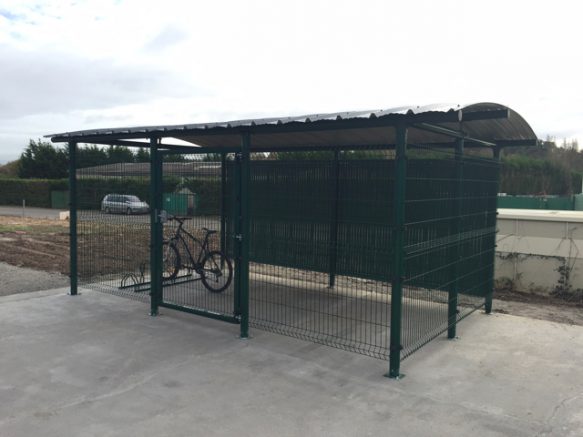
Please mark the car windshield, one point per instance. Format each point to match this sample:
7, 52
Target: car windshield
132, 198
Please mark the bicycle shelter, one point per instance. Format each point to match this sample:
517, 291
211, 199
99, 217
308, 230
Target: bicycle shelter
371, 231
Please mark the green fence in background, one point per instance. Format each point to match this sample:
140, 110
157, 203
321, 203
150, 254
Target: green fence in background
60, 199
537, 202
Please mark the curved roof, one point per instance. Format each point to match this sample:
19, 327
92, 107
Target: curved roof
432, 124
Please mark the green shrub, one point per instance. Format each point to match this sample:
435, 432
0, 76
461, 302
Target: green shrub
35, 192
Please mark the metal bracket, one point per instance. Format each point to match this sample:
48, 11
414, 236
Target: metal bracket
396, 348
162, 216
239, 237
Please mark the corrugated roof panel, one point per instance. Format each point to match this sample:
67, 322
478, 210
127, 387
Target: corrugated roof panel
226, 134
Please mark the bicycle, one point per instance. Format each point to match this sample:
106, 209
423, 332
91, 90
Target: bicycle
213, 267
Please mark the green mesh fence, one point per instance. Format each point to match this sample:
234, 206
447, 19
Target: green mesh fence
314, 223
321, 241
450, 231
113, 227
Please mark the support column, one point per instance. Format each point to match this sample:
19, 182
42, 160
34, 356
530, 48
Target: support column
73, 272
244, 236
334, 222
490, 289
224, 203
398, 266
156, 227
456, 230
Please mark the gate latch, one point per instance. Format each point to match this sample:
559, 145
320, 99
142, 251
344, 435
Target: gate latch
163, 216
239, 237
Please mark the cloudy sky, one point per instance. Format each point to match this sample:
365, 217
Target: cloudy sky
72, 65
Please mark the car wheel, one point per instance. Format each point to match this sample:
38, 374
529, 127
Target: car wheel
129, 211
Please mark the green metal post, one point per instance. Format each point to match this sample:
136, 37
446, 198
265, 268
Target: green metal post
334, 222
244, 236
457, 228
236, 217
399, 250
73, 218
490, 289
223, 202
156, 227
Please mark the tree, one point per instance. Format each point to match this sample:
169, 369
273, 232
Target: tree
117, 154
10, 169
142, 155
90, 156
43, 160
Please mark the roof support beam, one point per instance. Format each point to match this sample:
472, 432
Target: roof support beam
451, 133
201, 150
125, 143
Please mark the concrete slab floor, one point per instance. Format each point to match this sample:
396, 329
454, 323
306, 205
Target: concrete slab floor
98, 365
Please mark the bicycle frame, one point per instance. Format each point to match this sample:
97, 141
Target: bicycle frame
181, 235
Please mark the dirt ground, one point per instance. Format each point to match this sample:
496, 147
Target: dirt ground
39, 244
43, 245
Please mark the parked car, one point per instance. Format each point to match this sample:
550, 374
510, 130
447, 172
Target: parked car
123, 204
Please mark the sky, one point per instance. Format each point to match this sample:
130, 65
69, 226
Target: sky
75, 65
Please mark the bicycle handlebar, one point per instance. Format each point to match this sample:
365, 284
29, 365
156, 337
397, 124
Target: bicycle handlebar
181, 220
178, 219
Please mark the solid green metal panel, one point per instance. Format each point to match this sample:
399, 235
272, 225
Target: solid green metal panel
73, 217
295, 201
176, 203
400, 187
59, 199
292, 203
156, 230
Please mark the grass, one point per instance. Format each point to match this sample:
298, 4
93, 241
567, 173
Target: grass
32, 226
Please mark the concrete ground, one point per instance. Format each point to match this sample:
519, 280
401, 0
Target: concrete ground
21, 280
98, 365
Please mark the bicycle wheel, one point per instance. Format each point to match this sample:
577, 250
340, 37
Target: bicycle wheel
217, 271
170, 261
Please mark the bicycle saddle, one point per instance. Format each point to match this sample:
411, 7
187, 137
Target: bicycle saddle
209, 231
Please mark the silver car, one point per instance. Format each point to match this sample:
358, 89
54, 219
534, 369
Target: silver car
123, 204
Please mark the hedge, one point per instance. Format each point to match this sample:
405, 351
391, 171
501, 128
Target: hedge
35, 192
91, 191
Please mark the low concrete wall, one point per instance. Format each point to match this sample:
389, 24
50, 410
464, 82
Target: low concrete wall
540, 251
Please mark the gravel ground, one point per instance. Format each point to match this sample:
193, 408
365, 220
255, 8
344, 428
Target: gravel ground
22, 280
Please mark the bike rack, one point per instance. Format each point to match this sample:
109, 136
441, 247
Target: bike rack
138, 282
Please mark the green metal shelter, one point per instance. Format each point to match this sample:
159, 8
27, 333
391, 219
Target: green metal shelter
371, 231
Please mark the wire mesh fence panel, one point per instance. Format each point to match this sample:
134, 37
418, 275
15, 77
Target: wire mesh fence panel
450, 211
197, 268
320, 249
321, 240
113, 226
